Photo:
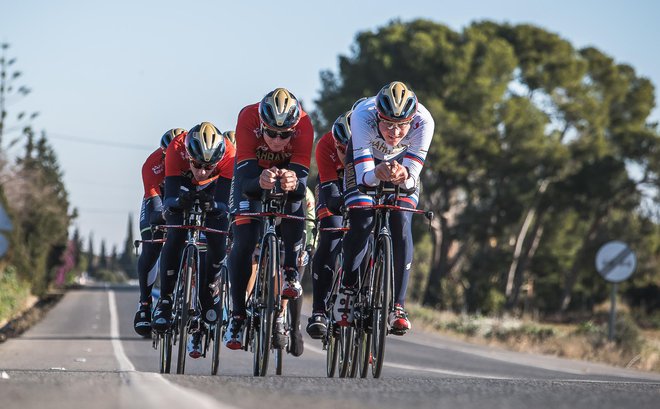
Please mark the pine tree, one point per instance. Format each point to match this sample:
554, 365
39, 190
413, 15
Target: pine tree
128, 260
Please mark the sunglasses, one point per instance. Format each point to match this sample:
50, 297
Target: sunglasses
278, 134
202, 166
398, 125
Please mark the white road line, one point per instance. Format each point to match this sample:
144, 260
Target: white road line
152, 389
424, 369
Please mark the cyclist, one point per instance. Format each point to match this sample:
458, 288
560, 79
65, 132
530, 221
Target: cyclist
198, 162
330, 157
391, 134
274, 142
153, 175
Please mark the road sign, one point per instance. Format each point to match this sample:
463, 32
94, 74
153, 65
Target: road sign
615, 261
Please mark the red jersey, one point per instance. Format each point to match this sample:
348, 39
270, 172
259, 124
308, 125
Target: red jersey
177, 162
251, 145
327, 159
153, 174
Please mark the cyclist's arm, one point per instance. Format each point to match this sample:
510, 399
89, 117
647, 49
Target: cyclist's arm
172, 189
422, 134
248, 173
363, 158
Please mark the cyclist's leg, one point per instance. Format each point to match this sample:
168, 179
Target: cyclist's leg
149, 254
146, 262
292, 238
354, 248
323, 263
401, 226
169, 268
246, 231
215, 249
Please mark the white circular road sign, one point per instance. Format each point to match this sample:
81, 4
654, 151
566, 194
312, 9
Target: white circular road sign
615, 261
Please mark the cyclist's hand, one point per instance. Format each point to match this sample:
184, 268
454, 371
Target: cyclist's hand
383, 172
211, 206
399, 173
288, 180
268, 178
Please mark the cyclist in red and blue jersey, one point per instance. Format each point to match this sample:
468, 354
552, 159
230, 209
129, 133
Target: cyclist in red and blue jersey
153, 175
199, 162
330, 157
391, 135
274, 143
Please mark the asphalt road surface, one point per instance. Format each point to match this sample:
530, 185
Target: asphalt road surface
85, 354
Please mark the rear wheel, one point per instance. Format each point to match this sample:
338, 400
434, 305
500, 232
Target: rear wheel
381, 302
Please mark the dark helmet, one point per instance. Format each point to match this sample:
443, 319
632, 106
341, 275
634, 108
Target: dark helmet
169, 135
279, 110
396, 102
341, 129
205, 144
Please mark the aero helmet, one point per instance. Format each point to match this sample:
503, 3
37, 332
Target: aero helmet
205, 144
396, 102
279, 110
231, 135
169, 135
356, 103
341, 129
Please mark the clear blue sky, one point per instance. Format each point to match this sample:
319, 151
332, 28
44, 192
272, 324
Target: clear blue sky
125, 71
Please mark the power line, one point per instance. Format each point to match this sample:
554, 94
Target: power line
98, 142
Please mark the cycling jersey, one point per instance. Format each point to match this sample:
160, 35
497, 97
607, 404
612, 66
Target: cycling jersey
331, 175
153, 174
369, 145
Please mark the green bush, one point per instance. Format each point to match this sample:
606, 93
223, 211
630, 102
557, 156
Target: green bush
13, 292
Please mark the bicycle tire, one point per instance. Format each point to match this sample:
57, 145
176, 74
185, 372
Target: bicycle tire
219, 323
363, 337
268, 267
165, 352
186, 294
380, 301
331, 356
345, 351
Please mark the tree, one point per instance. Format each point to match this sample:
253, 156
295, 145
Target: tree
10, 92
91, 265
128, 260
529, 161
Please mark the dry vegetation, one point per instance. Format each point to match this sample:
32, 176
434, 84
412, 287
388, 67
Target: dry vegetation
631, 348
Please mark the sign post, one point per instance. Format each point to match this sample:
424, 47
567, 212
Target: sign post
615, 261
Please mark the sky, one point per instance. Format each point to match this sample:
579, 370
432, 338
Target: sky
108, 78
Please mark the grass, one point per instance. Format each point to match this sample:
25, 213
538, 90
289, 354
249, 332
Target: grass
631, 347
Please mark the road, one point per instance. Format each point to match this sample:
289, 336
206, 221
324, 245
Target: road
85, 353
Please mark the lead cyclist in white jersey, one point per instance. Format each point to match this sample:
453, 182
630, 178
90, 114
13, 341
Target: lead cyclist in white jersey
391, 134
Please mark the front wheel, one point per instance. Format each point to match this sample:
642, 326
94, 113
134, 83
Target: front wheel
332, 348
165, 352
380, 304
219, 326
264, 297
